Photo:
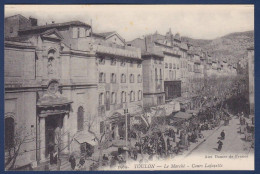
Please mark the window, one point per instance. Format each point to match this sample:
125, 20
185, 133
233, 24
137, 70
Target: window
156, 76
131, 63
166, 65
132, 79
82, 32
139, 95
80, 118
78, 32
102, 61
51, 61
113, 61
113, 98
107, 100
155, 61
123, 78
102, 126
87, 32
9, 132
170, 74
101, 99
139, 78
74, 32
113, 78
122, 63
123, 97
11, 29
170, 65
132, 96
160, 74
102, 77
50, 65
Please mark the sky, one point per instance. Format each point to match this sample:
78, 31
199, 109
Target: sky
132, 21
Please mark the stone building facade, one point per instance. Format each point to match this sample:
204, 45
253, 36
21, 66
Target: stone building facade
52, 85
62, 79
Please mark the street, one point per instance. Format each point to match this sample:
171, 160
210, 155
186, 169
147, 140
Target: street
233, 143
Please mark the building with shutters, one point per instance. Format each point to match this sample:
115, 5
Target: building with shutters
59, 78
120, 81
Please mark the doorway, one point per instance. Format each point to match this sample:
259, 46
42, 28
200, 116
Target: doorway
54, 125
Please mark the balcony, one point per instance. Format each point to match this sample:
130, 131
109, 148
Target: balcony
171, 52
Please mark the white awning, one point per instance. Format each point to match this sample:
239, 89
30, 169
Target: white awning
86, 138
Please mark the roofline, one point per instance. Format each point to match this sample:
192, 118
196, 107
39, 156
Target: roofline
120, 37
56, 25
24, 45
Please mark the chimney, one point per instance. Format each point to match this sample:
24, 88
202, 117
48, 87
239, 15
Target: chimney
33, 21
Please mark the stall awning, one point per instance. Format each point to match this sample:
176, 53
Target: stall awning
183, 115
86, 138
193, 112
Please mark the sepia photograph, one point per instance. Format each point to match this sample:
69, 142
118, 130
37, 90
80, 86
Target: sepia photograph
129, 87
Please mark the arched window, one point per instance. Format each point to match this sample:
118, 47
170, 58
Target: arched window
132, 78
101, 99
123, 78
123, 97
139, 95
9, 132
51, 62
139, 78
80, 118
132, 96
113, 98
113, 78
102, 77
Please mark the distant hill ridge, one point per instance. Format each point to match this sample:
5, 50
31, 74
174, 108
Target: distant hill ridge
231, 47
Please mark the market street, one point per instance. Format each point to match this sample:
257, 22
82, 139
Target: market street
233, 143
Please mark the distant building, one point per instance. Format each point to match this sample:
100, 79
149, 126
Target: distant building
251, 75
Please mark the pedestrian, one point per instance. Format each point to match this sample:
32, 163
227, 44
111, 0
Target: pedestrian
72, 161
222, 134
135, 153
220, 144
82, 161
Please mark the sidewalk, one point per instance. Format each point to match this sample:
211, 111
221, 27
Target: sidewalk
206, 134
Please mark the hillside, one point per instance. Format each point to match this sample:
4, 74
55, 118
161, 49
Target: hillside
232, 46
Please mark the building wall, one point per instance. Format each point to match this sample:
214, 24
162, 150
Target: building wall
20, 103
151, 87
130, 67
14, 23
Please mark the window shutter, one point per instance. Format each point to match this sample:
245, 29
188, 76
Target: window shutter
82, 32
74, 32
102, 126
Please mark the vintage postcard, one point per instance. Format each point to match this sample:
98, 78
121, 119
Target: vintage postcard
129, 87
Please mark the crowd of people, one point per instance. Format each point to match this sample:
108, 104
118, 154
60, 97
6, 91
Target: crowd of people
168, 142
